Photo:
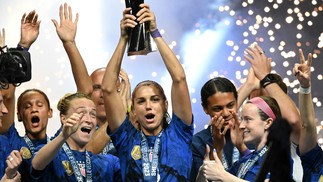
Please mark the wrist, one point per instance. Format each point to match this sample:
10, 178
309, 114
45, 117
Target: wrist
23, 47
305, 90
154, 34
11, 176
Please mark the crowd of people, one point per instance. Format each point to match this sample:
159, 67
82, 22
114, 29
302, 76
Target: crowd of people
109, 133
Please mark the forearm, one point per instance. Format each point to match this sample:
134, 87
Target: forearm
112, 100
308, 137
99, 140
180, 97
80, 74
47, 153
243, 93
288, 109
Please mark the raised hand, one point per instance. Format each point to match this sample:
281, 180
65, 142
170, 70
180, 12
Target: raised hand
127, 21
66, 30
124, 89
71, 124
258, 60
29, 29
146, 15
302, 70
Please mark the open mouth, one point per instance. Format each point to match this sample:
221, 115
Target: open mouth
150, 116
35, 119
86, 130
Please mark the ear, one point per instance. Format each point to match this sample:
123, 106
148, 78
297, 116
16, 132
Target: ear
268, 122
50, 113
205, 110
19, 116
166, 105
63, 118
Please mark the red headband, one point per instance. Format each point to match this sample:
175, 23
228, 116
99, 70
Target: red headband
262, 105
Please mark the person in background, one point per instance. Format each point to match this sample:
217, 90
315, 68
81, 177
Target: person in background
153, 153
33, 107
219, 101
65, 158
89, 84
257, 116
309, 151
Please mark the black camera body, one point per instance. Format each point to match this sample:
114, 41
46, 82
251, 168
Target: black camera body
15, 66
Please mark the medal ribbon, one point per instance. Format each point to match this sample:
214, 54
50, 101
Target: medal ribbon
31, 145
250, 162
76, 169
150, 168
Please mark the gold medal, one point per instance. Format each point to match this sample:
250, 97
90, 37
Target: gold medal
135, 153
26, 154
68, 167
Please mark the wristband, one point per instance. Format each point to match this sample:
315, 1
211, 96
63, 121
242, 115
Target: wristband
303, 90
155, 34
19, 47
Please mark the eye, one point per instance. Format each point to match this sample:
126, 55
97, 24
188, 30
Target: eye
231, 105
155, 99
217, 109
27, 106
96, 87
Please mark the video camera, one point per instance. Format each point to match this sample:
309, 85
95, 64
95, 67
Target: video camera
15, 66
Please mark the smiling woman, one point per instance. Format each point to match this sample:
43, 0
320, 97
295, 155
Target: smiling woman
66, 154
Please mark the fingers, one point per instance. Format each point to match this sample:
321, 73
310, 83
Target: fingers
309, 60
207, 152
14, 159
215, 157
301, 56
61, 12
65, 11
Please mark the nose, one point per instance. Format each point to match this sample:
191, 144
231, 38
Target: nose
226, 113
148, 105
242, 124
4, 109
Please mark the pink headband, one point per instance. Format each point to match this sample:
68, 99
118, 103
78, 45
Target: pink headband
262, 105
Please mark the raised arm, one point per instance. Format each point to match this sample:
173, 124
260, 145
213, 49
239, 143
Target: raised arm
29, 33
29, 29
112, 100
47, 153
262, 67
66, 31
250, 85
308, 136
181, 102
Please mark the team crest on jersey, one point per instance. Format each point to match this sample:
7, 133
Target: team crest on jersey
68, 167
26, 154
135, 153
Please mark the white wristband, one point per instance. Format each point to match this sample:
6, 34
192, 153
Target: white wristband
303, 90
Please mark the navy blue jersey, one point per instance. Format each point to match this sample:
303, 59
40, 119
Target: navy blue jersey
104, 168
16, 142
4, 153
174, 162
